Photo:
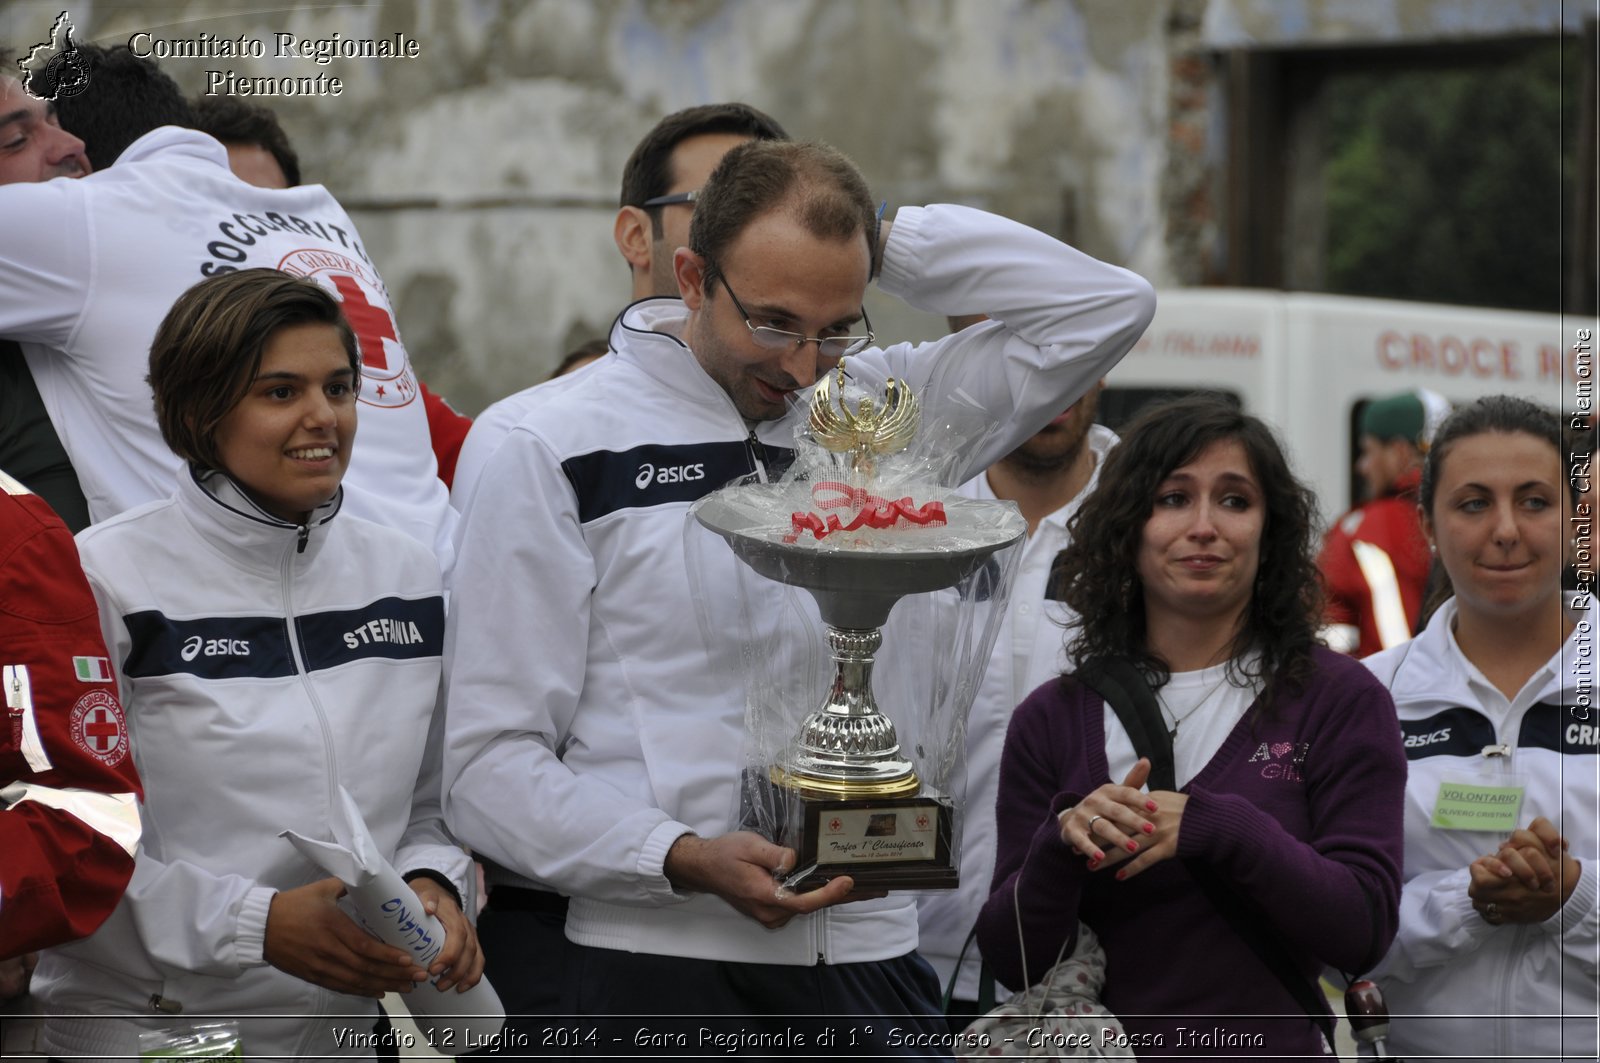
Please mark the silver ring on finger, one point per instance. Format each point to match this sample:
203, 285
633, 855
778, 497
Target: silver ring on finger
1491, 914
1089, 827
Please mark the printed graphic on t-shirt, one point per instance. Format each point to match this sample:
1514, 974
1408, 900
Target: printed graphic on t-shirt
386, 376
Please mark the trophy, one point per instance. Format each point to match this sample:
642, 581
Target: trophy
843, 796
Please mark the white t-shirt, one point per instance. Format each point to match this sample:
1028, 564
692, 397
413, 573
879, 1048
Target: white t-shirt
89, 267
1204, 705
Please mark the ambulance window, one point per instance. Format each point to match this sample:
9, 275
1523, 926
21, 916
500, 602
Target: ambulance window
1119, 406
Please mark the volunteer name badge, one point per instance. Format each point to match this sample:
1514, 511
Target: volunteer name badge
1475, 806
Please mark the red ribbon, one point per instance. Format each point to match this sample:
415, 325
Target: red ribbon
875, 512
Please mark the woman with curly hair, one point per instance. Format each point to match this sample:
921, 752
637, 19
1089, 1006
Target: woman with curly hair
1277, 851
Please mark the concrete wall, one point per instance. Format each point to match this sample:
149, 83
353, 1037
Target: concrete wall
483, 174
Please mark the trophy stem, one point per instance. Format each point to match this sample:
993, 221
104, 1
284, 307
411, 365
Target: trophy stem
847, 747
853, 649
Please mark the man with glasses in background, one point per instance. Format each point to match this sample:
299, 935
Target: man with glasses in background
659, 184
594, 744
662, 180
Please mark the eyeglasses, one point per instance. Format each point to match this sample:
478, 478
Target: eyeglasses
776, 339
668, 200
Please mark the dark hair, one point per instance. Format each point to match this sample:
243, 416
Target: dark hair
233, 121
647, 173
208, 349
822, 187
583, 352
126, 97
1505, 414
1097, 575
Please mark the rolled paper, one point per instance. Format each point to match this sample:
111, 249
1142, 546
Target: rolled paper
381, 901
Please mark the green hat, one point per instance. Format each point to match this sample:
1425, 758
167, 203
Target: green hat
1396, 417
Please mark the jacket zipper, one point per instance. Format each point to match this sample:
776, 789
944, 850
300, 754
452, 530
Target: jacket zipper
758, 455
24, 728
300, 665
323, 997
1508, 981
758, 458
1498, 757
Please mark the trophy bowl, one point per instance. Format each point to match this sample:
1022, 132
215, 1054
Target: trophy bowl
843, 797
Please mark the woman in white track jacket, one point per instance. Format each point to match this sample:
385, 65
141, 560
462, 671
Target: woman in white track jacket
268, 653
1495, 955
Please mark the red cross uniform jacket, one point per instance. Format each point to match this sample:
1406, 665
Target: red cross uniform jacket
69, 823
1375, 563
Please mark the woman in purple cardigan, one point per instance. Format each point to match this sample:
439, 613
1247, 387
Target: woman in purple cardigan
1194, 561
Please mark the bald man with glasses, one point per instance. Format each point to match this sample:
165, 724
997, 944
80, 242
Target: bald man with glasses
594, 746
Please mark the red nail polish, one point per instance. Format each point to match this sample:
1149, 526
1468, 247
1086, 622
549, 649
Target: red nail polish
1149, 828
1133, 847
1151, 806
1122, 874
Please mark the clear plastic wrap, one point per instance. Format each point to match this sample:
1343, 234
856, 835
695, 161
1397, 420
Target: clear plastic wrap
854, 750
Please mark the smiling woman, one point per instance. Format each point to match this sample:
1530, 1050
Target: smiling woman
1499, 911
255, 631
1191, 568
287, 441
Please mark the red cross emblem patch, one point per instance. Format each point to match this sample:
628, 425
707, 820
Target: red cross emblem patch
99, 728
387, 378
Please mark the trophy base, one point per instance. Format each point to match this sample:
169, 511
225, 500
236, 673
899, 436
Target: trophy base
883, 843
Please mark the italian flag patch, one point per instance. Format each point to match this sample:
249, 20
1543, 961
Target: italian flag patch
92, 669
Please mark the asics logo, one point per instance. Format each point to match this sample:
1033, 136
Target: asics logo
194, 646
1417, 741
668, 474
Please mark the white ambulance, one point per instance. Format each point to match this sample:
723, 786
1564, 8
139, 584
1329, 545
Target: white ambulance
1307, 363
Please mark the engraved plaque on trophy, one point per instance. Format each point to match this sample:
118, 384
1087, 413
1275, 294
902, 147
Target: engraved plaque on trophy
842, 794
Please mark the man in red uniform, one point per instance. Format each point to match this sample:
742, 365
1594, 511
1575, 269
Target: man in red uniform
1375, 560
69, 821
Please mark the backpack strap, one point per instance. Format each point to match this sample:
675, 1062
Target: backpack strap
1121, 685
986, 979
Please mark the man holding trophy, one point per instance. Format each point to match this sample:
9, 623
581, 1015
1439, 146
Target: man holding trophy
594, 743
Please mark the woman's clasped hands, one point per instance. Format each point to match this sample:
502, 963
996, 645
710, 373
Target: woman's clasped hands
1527, 880
1121, 824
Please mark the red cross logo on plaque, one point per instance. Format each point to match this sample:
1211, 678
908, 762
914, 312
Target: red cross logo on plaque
835, 824
98, 727
922, 821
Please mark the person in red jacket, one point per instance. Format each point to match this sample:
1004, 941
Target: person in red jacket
69, 821
1374, 560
